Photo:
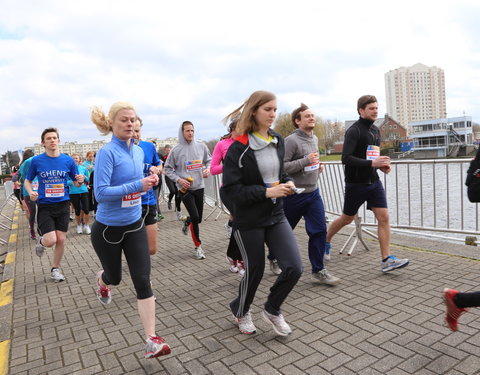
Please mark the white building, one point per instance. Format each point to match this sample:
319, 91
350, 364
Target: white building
161, 143
415, 93
82, 148
71, 147
441, 137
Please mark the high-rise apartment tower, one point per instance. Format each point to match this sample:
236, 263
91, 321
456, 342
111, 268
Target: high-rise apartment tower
415, 93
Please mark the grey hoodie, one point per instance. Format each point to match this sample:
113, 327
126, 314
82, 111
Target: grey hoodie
267, 158
297, 146
187, 160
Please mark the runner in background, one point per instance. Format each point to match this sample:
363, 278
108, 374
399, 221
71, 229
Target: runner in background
234, 258
89, 163
79, 198
172, 187
157, 189
52, 169
119, 227
188, 164
31, 206
151, 165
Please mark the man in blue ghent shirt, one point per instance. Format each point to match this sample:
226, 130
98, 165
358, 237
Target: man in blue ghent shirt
53, 170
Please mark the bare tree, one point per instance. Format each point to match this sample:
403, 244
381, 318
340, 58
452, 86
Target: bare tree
284, 125
211, 144
327, 131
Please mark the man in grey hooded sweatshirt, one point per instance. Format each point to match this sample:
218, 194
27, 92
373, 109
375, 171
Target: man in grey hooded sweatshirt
302, 163
187, 165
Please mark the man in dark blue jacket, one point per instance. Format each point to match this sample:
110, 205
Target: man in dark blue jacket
361, 156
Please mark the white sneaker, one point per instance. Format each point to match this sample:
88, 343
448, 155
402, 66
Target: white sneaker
233, 264
156, 347
245, 323
274, 267
79, 229
241, 268
199, 253
56, 275
324, 277
39, 248
179, 215
278, 323
87, 229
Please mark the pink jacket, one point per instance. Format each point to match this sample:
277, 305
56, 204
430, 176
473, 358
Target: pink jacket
216, 166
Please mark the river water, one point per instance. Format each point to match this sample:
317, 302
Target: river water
419, 193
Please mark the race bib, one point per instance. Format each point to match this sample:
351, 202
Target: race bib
131, 200
373, 152
54, 190
311, 167
193, 165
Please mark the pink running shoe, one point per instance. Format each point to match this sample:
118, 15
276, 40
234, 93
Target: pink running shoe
156, 347
453, 311
103, 293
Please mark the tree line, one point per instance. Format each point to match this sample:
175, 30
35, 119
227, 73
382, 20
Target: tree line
327, 131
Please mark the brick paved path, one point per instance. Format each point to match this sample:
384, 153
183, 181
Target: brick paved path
369, 324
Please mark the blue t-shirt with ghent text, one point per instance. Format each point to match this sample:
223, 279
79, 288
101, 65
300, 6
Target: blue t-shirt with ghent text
52, 173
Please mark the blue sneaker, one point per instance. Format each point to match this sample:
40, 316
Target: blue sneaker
326, 257
393, 263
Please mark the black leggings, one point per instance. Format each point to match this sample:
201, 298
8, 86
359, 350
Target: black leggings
281, 241
80, 203
32, 210
233, 251
193, 201
92, 203
18, 194
470, 299
135, 248
173, 192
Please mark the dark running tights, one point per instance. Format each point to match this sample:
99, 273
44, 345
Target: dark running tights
471, 299
135, 248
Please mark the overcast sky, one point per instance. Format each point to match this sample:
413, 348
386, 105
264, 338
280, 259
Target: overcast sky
199, 60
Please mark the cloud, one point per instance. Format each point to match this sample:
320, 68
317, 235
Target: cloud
200, 60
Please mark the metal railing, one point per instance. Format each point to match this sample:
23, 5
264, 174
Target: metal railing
422, 195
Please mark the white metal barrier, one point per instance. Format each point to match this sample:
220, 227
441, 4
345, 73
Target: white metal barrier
423, 195
10, 200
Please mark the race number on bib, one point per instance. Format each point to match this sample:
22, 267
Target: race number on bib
54, 190
311, 167
131, 200
193, 165
373, 152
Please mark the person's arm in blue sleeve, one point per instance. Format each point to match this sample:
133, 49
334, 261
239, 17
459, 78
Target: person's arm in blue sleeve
104, 192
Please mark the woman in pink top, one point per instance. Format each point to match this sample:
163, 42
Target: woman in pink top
234, 258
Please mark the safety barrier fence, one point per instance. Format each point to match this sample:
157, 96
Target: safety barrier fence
423, 195
6, 220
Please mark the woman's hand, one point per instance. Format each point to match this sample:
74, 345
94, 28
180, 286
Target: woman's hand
281, 190
149, 182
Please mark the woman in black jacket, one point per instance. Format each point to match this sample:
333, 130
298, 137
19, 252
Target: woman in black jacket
255, 180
